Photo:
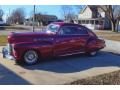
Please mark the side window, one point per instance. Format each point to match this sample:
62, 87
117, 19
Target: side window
72, 30
82, 30
66, 30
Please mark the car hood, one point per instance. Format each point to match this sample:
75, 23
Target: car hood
27, 36
14, 34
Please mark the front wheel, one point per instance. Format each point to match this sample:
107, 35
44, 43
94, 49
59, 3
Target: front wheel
30, 57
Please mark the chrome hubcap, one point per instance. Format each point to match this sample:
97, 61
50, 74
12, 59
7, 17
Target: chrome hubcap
31, 56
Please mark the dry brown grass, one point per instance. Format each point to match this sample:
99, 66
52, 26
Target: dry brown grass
3, 40
109, 35
105, 79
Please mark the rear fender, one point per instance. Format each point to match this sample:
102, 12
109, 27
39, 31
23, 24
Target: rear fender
89, 45
94, 45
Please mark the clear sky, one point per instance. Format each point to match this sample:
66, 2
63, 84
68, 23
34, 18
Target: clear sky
46, 9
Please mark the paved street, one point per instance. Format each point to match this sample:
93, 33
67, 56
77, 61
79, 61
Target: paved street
60, 71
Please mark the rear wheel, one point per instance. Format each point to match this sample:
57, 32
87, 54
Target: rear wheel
30, 57
93, 53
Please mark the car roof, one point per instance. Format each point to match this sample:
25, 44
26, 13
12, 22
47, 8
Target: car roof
65, 24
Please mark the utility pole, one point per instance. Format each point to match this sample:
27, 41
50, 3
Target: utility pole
34, 19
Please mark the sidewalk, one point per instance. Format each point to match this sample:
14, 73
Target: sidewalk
112, 46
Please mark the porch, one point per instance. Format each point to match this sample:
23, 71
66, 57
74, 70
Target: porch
92, 23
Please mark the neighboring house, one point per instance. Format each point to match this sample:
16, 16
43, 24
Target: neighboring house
93, 18
1, 22
41, 19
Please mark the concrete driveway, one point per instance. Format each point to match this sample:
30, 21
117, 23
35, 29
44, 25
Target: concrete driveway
59, 71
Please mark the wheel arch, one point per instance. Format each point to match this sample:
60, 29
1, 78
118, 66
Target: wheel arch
21, 48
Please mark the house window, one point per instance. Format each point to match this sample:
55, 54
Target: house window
96, 22
101, 22
79, 22
87, 22
83, 22
92, 22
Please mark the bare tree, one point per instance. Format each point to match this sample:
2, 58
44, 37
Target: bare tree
67, 12
1, 13
17, 16
113, 14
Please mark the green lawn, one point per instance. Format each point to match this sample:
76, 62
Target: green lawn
3, 40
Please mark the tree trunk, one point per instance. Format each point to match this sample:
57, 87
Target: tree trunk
113, 26
116, 25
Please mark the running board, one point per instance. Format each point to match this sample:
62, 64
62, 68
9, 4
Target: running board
72, 54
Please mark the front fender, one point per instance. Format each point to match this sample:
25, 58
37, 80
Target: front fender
44, 49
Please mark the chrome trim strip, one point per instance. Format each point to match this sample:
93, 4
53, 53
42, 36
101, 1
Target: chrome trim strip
71, 54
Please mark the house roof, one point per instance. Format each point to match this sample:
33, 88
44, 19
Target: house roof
82, 11
92, 8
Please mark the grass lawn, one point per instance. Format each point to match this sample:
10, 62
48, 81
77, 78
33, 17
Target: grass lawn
105, 79
3, 40
15, 27
109, 35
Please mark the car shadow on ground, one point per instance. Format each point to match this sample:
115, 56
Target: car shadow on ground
7, 77
77, 63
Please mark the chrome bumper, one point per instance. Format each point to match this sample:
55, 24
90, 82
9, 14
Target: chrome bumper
6, 54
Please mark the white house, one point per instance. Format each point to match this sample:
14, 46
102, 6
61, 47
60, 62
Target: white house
93, 18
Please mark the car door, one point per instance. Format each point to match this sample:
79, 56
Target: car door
62, 45
69, 41
80, 38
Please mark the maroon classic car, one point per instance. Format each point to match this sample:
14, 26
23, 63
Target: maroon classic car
59, 39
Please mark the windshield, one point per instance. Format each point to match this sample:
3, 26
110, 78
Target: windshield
52, 28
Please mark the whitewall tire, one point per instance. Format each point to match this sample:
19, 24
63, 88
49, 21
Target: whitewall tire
30, 57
